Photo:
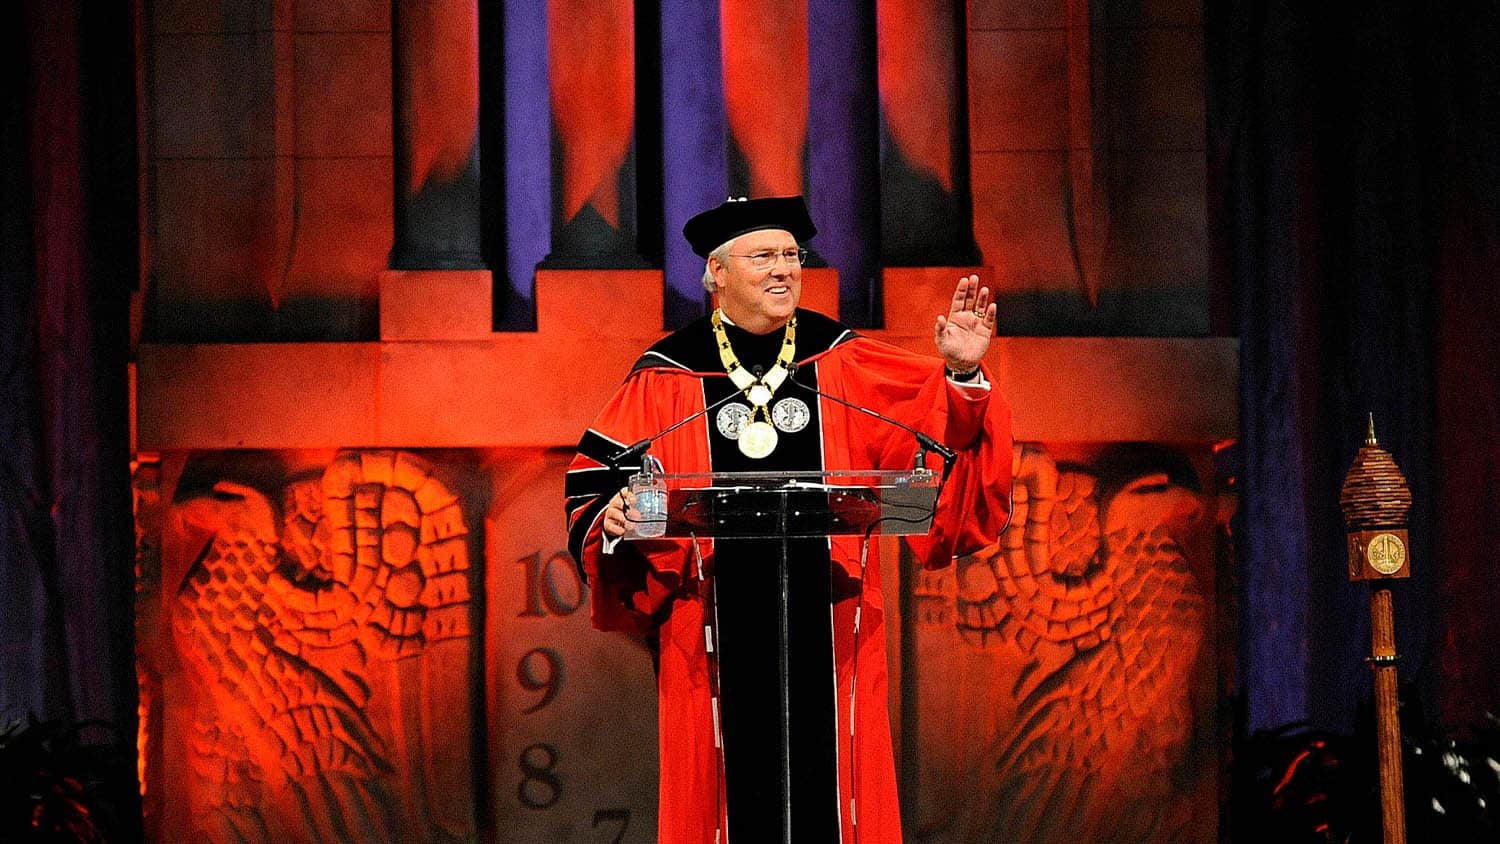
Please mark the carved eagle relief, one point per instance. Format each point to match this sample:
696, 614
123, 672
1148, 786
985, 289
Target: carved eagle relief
287, 620
1092, 594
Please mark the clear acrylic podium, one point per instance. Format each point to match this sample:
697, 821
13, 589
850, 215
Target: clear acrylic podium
791, 505
770, 512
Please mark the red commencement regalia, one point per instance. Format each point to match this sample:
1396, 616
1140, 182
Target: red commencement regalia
648, 586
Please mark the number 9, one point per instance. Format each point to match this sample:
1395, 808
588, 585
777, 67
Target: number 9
548, 682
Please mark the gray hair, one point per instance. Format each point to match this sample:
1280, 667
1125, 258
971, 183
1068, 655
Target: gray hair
721, 253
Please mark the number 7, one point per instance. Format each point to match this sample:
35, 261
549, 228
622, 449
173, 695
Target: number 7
621, 815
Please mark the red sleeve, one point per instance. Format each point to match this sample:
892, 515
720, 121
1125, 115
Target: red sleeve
630, 586
975, 503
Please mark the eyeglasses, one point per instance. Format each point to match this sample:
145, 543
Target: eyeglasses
766, 258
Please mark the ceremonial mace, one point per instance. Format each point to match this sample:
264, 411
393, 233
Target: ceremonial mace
1375, 501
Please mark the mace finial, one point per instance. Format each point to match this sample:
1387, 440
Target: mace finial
1375, 500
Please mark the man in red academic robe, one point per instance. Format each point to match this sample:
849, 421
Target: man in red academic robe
714, 609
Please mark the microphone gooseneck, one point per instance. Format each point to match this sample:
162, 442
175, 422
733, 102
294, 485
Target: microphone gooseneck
639, 447
925, 442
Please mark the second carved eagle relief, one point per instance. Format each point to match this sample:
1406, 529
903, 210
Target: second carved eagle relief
1097, 624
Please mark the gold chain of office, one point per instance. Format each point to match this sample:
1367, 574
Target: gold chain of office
758, 438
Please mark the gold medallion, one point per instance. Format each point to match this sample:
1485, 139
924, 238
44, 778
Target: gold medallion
758, 439
1386, 553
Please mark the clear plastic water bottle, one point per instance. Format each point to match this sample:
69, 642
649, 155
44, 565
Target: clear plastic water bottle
649, 515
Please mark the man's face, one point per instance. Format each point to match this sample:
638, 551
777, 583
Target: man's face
763, 300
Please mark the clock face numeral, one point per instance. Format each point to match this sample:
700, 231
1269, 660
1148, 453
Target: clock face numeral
539, 787
620, 815
1386, 553
540, 670
553, 586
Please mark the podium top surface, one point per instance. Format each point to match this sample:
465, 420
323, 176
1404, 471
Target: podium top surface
777, 505
809, 479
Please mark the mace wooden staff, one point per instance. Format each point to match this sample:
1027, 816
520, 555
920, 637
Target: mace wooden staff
1375, 501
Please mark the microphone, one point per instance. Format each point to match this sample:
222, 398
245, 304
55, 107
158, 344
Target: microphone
925, 443
639, 447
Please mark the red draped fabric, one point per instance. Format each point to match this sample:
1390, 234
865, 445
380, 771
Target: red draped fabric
444, 38
1468, 396
592, 59
765, 90
917, 56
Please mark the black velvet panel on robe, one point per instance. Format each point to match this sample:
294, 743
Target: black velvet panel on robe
748, 592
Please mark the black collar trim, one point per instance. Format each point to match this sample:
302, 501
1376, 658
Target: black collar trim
692, 348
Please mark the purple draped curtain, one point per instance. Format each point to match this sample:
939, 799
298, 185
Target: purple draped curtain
70, 260
1354, 175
